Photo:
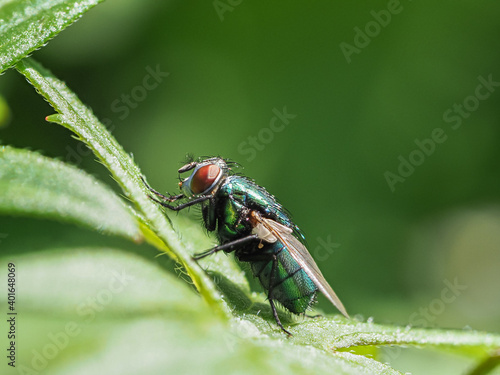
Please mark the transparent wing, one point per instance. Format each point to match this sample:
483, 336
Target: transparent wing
301, 255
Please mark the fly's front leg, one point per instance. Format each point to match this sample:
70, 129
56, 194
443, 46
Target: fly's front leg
173, 198
184, 205
169, 198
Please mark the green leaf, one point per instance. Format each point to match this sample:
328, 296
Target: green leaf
108, 311
34, 185
28, 25
73, 115
338, 333
105, 311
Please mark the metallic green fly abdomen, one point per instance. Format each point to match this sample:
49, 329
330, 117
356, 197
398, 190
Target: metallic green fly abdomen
252, 224
292, 287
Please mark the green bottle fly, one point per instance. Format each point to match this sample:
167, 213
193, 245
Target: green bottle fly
249, 221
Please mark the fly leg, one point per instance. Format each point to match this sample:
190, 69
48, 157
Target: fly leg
174, 198
227, 247
184, 205
170, 198
270, 297
278, 322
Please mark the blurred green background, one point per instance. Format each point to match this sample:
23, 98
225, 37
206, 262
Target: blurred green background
397, 251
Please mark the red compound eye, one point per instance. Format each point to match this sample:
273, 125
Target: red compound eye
204, 178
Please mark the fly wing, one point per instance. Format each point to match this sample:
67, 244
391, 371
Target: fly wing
301, 255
